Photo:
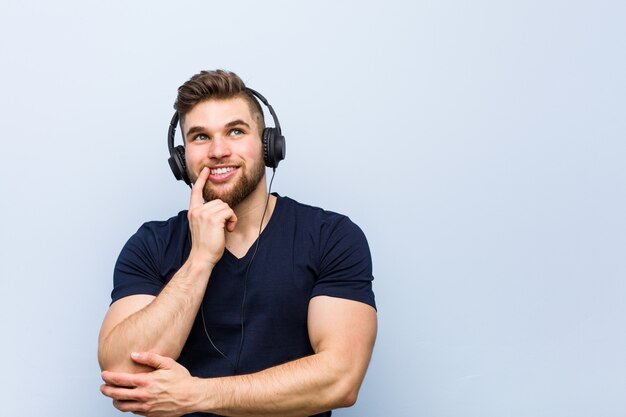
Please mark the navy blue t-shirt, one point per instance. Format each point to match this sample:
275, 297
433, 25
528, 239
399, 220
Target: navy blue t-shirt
303, 252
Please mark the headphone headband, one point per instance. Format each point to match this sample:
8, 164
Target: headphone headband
269, 107
171, 132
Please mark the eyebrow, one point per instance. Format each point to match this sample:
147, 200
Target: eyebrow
194, 129
238, 122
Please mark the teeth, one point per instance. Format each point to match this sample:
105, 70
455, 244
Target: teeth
218, 171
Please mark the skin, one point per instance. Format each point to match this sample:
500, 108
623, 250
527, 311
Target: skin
221, 126
142, 336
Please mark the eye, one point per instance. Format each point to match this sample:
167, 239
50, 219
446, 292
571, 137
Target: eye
235, 132
201, 137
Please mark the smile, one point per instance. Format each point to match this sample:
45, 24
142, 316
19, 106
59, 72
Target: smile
219, 171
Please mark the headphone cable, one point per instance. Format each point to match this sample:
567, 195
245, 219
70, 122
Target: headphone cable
245, 280
245, 289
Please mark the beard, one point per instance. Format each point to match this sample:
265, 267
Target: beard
245, 185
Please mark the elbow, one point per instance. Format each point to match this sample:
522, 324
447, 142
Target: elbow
110, 358
109, 355
102, 358
122, 365
346, 390
348, 399
117, 361
108, 362
116, 357
344, 381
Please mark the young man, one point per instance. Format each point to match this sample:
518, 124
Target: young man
247, 303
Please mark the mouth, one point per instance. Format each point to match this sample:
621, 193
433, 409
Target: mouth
222, 173
222, 170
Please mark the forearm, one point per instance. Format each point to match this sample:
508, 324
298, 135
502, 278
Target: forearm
162, 326
303, 387
342, 333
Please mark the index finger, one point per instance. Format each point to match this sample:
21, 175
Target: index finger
122, 379
198, 186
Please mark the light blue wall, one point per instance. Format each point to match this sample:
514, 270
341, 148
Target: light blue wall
480, 145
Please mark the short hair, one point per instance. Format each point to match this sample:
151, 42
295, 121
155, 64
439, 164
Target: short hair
218, 84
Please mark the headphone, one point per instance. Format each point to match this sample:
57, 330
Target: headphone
273, 144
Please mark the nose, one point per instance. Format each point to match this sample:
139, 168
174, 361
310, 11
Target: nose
219, 148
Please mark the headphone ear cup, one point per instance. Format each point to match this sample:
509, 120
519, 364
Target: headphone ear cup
177, 164
279, 147
273, 147
267, 143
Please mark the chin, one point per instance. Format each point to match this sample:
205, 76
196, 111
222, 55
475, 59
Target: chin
233, 196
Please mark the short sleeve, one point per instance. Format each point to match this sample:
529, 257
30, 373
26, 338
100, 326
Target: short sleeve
345, 263
137, 267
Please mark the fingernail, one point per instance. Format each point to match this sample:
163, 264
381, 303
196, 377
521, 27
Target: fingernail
134, 355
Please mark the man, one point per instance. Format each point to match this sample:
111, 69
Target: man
197, 325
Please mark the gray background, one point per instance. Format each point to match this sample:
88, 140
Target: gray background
480, 146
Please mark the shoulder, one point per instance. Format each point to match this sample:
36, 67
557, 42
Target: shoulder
330, 229
153, 237
149, 257
164, 230
315, 215
344, 263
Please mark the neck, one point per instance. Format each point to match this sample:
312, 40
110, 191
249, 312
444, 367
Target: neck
249, 214
250, 211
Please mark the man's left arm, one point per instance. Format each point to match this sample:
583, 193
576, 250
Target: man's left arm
342, 334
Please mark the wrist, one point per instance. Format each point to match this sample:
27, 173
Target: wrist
204, 395
199, 263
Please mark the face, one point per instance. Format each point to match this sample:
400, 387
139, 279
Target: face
223, 135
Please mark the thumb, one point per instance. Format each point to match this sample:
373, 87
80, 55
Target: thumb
151, 359
230, 225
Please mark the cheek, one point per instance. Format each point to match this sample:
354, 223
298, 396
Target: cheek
256, 152
191, 159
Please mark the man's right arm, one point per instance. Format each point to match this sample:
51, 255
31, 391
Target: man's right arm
156, 324
161, 324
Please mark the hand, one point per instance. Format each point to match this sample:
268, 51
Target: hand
208, 223
163, 392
